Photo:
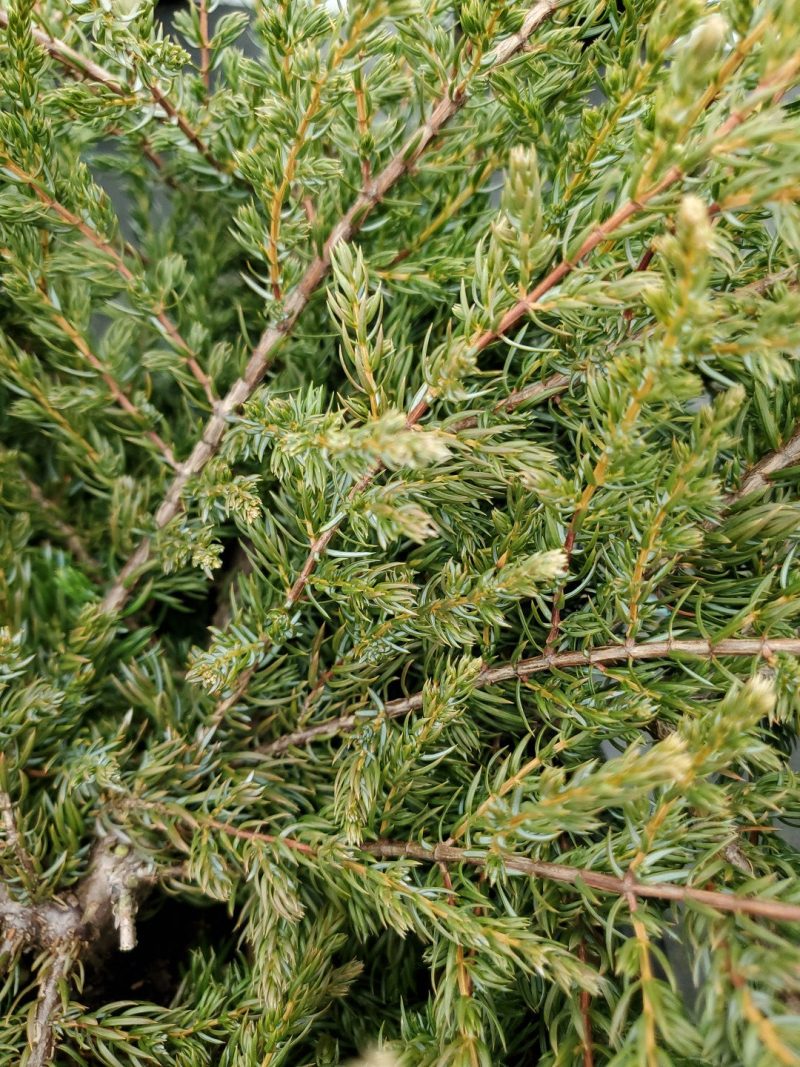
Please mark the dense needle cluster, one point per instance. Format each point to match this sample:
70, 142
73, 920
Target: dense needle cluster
399, 451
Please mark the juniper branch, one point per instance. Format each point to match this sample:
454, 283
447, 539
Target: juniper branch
754, 480
36, 390
118, 394
146, 148
770, 1036
554, 661
120, 266
604, 883
86, 912
285, 848
71, 59
513, 781
553, 385
632, 207
74, 61
173, 114
41, 1033
763, 285
512, 317
205, 51
535, 391
440, 852
450, 210
298, 141
295, 303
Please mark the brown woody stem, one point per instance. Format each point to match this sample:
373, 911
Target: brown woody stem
758, 476
526, 668
442, 853
63, 930
603, 883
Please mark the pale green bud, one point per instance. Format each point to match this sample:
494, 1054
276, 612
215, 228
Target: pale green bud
708, 37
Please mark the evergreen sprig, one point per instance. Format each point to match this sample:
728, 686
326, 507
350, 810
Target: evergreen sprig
400, 440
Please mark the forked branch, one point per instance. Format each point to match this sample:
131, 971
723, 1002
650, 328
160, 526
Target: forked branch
62, 930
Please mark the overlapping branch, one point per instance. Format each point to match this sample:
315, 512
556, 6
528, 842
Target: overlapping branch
598, 235
754, 480
387, 876
34, 388
553, 385
558, 383
487, 337
345, 229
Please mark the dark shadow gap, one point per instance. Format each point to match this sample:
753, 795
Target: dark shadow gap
168, 930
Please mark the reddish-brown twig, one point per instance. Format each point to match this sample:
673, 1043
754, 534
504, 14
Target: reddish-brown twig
580, 876
120, 397
205, 51
441, 853
555, 661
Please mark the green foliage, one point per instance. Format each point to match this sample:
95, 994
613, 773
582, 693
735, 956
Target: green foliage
352, 386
